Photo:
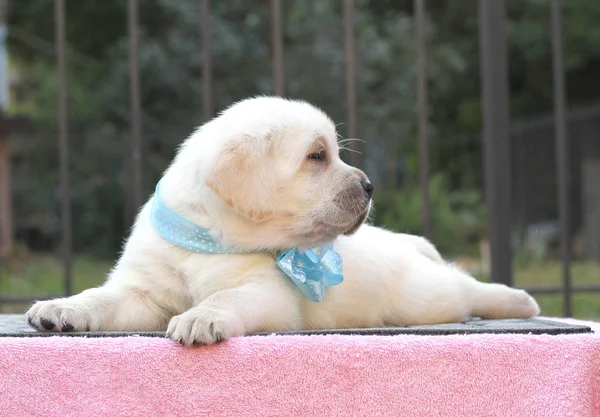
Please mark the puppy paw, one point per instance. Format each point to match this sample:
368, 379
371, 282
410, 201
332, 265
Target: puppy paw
61, 315
204, 326
524, 305
498, 301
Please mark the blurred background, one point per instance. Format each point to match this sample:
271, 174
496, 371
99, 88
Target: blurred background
493, 109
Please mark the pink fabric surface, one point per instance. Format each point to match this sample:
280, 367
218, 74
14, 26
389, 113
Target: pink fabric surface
475, 375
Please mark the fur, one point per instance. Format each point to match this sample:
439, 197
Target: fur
265, 175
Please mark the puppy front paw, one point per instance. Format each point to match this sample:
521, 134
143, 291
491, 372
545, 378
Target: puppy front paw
204, 326
61, 315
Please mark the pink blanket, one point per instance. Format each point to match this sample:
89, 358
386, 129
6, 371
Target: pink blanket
476, 375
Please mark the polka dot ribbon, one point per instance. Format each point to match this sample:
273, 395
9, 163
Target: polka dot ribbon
311, 270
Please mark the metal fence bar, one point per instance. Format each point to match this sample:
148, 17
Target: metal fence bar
63, 142
6, 222
560, 290
494, 79
22, 299
136, 113
206, 62
277, 34
562, 150
350, 78
533, 290
422, 95
6, 216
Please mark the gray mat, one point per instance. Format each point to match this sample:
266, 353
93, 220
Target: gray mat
14, 325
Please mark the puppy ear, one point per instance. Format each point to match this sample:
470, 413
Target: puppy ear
242, 177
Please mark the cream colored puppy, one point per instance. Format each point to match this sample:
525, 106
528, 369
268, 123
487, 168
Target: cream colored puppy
266, 175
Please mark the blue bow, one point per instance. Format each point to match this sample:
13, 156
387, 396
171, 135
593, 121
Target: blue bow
311, 270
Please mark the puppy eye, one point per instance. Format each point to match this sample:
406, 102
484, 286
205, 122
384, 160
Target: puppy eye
318, 156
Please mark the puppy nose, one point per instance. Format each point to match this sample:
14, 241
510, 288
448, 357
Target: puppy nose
367, 186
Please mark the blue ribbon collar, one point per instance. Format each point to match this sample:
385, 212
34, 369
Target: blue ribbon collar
312, 270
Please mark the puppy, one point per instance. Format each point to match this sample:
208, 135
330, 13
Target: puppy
263, 177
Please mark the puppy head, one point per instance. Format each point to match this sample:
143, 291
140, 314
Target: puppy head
276, 166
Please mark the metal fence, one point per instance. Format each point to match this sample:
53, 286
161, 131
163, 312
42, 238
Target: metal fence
496, 125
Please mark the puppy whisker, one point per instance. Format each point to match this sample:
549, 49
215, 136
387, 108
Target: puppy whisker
351, 140
371, 216
343, 148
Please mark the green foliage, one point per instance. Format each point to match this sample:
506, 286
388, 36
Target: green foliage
44, 275
171, 93
458, 217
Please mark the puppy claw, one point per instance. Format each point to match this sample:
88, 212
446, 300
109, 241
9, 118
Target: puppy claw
46, 324
61, 315
66, 327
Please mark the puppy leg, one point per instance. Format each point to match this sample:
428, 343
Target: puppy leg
492, 301
99, 309
252, 307
425, 247
433, 293
497, 301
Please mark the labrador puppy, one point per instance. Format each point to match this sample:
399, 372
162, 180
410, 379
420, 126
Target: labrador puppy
264, 176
